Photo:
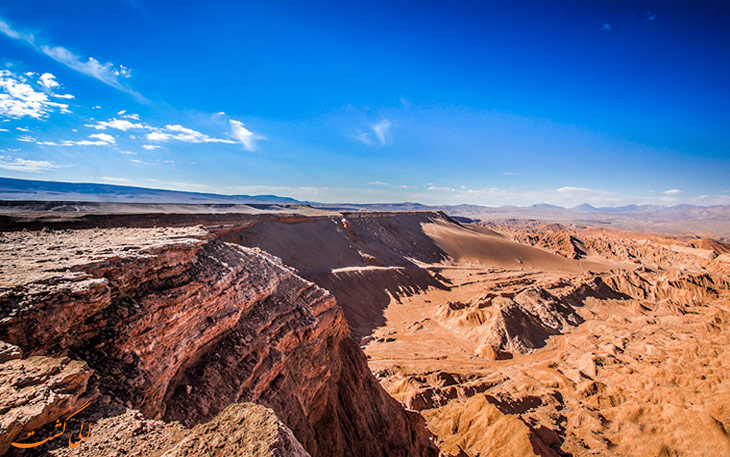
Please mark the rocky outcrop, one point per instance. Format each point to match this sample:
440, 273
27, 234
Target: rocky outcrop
509, 322
240, 430
180, 326
36, 391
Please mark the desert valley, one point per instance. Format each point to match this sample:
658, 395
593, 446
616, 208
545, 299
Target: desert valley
402, 228
287, 330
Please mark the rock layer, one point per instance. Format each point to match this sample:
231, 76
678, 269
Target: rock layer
180, 326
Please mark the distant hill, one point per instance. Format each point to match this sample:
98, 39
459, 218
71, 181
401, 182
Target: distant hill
714, 220
22, 189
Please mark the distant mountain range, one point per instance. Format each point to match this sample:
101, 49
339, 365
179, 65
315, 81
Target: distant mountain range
666, 219
22, 189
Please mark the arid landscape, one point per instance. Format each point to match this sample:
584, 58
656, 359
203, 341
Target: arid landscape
286, 330
402, 228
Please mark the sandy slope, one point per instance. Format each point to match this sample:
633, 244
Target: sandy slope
467, 245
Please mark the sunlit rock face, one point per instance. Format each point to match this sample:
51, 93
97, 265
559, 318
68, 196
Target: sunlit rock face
179, 325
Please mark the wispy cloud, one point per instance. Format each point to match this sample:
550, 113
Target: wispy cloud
673, 192
177, 132
380, 134
97, 139
30, 166
247, 138
108, 73
19, 99
607, 27
378, 183
363, 138
184, 134
382, 131
150, 147
509, 173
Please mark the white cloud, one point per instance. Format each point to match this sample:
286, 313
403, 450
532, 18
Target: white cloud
177, 132
74, 143
673, 192
180, 133
26, 138
509, 173
86, 143
445, 189
247, 138
119, 124
103, 137
129, 153
378, 183
114, 180
19, 99
150, 147
48, 81
158, 136
31, 166
572, 190
4, 130
108, 73
123, 113
382, 131
22, 129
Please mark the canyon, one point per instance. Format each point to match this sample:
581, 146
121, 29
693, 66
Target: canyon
296, 331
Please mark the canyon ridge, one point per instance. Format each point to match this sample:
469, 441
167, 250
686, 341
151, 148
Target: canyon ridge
286, 330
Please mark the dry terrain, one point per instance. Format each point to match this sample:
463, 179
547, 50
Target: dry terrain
229, 333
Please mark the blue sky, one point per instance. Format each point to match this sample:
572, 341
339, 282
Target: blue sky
450, 102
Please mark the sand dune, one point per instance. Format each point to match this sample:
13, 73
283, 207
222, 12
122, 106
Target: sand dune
467, 245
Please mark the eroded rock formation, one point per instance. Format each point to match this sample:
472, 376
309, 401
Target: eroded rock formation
540, 340
179, 325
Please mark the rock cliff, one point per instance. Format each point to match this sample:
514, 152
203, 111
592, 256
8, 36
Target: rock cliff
179, 325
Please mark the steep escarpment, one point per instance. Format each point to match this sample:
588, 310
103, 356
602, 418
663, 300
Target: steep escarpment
180, 325
367, 259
